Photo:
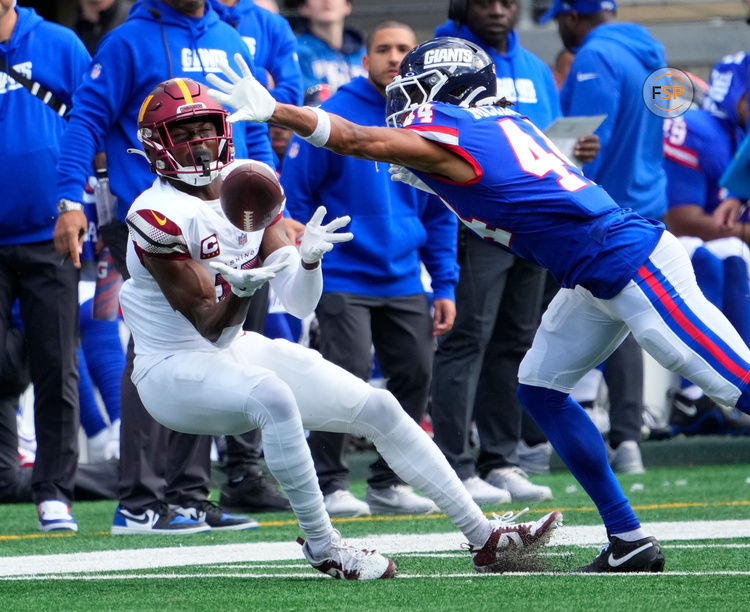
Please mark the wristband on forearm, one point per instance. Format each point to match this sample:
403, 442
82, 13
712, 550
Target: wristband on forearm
322, 131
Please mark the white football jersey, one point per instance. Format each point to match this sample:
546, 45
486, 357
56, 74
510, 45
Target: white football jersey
165, 222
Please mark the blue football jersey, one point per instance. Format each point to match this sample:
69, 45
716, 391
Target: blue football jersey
529, 198
697, 149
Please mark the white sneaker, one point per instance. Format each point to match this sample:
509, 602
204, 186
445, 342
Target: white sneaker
54, 515
515, 480
534, 459
349, 563
626, 458
398, 499
343, 503
483, 492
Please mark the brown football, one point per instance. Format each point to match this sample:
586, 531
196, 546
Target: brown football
251, 196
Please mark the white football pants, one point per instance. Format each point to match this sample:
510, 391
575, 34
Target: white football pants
668, 316
284, 388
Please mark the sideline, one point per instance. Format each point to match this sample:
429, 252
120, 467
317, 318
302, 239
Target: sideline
155, 558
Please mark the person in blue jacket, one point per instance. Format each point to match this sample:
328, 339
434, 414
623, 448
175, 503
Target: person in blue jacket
272, 44
606, 78
498, 297
30, 268
159, 492
328, 52
372, 287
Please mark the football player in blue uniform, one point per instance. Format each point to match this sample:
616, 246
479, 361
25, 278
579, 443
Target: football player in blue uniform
698, 147
508, 183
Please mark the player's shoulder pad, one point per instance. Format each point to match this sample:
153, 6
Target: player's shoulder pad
156, 234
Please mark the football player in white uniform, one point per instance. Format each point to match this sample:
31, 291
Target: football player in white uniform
192, 273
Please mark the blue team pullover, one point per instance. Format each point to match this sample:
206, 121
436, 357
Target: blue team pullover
522, 77
31, 130
607, 77
323, 64
394, 225
130, 61
272, 45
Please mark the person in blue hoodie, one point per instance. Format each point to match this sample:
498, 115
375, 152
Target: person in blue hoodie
499, 296
372, 287
328, 52
611, 64
30, 268
272, 44
159, 492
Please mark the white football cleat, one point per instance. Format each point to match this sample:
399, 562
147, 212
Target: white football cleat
510, 539
346, 562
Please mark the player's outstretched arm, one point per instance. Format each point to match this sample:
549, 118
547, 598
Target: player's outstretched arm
252, 102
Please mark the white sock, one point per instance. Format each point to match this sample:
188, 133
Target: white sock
631, 536
693, 392
418, 461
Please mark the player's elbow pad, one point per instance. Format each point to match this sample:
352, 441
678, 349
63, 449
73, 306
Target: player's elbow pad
298, 289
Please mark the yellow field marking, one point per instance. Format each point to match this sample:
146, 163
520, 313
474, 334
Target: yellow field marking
410, 517
29, 536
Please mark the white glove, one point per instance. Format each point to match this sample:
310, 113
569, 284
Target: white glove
401, 174
246, 282
319, 239
249, 99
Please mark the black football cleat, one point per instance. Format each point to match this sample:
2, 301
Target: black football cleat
620, 556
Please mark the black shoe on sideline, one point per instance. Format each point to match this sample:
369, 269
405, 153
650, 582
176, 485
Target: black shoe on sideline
253, 494
620, 556
214, 516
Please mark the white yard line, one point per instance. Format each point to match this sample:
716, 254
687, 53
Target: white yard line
155, 558
310, 574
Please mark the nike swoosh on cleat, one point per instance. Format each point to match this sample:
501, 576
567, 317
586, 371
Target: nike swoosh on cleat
586, 76
143, 519
618, 562
689, 409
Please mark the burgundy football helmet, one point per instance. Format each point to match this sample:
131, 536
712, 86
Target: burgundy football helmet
174, 101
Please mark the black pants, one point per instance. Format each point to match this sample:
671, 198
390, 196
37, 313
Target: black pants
623, 373
401, 331
47, 287
475, 373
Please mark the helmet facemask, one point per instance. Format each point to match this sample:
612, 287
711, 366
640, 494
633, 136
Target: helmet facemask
202, 165
202, 156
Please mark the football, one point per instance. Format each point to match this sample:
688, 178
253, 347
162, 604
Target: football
251, 196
